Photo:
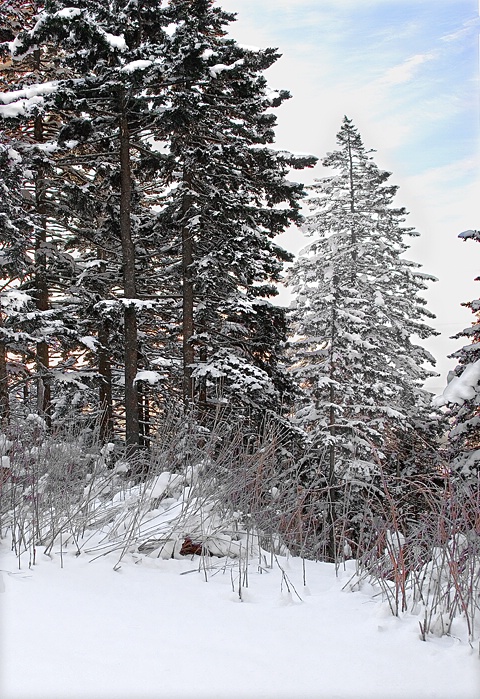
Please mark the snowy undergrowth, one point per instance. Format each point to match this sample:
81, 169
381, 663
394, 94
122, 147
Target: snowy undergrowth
57, 494
226, 509
433, 569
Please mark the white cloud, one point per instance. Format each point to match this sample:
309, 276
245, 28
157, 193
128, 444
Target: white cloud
404, 72
467, 27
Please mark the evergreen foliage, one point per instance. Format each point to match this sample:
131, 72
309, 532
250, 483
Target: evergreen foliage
140, 199
161, 196
225, 210
47, 322
357, 307
462, 397
16, 230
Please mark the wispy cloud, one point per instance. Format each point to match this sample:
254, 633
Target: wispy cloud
407, 70
470, 26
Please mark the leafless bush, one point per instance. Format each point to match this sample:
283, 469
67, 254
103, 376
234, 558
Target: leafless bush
194, 485
225, 492
429, 562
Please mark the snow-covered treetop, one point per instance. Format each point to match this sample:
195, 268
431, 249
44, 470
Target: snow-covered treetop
358, 305
474, 235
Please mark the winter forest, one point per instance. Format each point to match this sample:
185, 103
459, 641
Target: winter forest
156, 402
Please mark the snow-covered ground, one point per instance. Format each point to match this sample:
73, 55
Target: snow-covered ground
157, 629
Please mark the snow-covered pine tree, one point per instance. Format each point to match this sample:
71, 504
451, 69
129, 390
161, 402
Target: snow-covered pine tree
113, 52
357, 307
462, 397
16, 233
169, 70
27, 77
231, 197
22, 120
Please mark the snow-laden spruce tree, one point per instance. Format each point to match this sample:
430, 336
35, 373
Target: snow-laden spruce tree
229, 197
16, 233
462, 397
169, 179
24, 81
357, 309
111, 99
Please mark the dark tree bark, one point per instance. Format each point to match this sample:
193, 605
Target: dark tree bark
188, 301
105, 389
41, 285
202, 392
4, 401
129, 288
331, 498
104, 370
352, 209
144, 408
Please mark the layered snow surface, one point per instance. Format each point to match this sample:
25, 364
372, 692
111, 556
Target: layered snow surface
192, 628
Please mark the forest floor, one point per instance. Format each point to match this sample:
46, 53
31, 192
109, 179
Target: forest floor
171, 629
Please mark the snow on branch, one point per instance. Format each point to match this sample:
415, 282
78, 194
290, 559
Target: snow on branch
19, 102
221, 67
150, 377
460, 388
465, 235
136, 65
68, 12
115, 42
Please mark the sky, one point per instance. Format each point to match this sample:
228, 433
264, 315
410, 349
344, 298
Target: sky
407, 73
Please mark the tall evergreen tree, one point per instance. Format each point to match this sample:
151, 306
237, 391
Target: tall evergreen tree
166, 166
462, 397
16, 233
230, 198
113, 52
357, 308
28, 77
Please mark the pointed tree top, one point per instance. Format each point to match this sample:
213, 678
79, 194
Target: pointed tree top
475, 235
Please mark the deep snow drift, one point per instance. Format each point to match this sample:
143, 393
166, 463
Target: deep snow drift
169, 629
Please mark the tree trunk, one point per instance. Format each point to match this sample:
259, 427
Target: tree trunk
104, 370
4, 402
144, 407
202, 393
353, 232
41, 285
331, 498
105, 390
188, 301
129, 288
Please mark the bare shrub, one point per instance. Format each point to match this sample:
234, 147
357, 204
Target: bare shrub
226, 492
429, 562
